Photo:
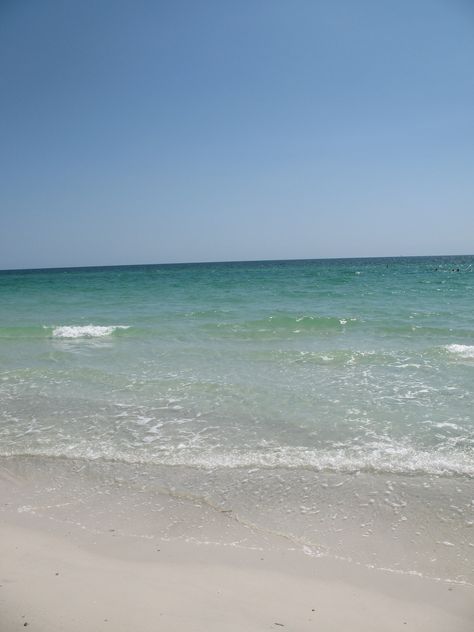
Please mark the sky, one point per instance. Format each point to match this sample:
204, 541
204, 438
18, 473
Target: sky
136, 131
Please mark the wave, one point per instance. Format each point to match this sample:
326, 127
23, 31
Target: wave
86, 331
63, 331
398, 358
302, 322
388, 459
412, 329
280, 324
465, 351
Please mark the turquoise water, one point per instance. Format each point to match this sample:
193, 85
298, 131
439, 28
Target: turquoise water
288, 370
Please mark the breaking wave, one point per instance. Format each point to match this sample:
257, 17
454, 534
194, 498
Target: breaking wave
383, 460
465, 351
86, 331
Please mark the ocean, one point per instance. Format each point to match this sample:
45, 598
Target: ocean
328, 401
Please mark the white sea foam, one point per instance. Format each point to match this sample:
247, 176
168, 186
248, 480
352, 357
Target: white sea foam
385, 460
388, 460
85, 331
465, 351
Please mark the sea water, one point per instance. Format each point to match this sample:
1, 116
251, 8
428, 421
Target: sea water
329, 401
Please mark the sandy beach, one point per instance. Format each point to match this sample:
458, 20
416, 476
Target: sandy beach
104, 571
53, 581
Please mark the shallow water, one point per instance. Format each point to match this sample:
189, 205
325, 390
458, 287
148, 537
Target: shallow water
330, 401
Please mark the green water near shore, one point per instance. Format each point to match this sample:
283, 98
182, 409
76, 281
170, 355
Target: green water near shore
290, 370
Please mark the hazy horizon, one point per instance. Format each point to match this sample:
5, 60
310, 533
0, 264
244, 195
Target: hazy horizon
211, 262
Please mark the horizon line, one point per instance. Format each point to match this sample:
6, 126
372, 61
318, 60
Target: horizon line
188, 263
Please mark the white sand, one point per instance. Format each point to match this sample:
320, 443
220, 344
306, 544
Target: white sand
57, 578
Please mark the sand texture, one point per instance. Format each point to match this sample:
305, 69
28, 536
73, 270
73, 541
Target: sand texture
58, 579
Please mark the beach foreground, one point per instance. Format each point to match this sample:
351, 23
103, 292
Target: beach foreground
74, 562
58, 580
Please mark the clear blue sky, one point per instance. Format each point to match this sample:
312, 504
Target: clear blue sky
146, 131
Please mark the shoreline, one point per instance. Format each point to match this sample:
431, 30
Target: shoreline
398, 524
79, 555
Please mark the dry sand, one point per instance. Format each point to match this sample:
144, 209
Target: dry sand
58, 578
